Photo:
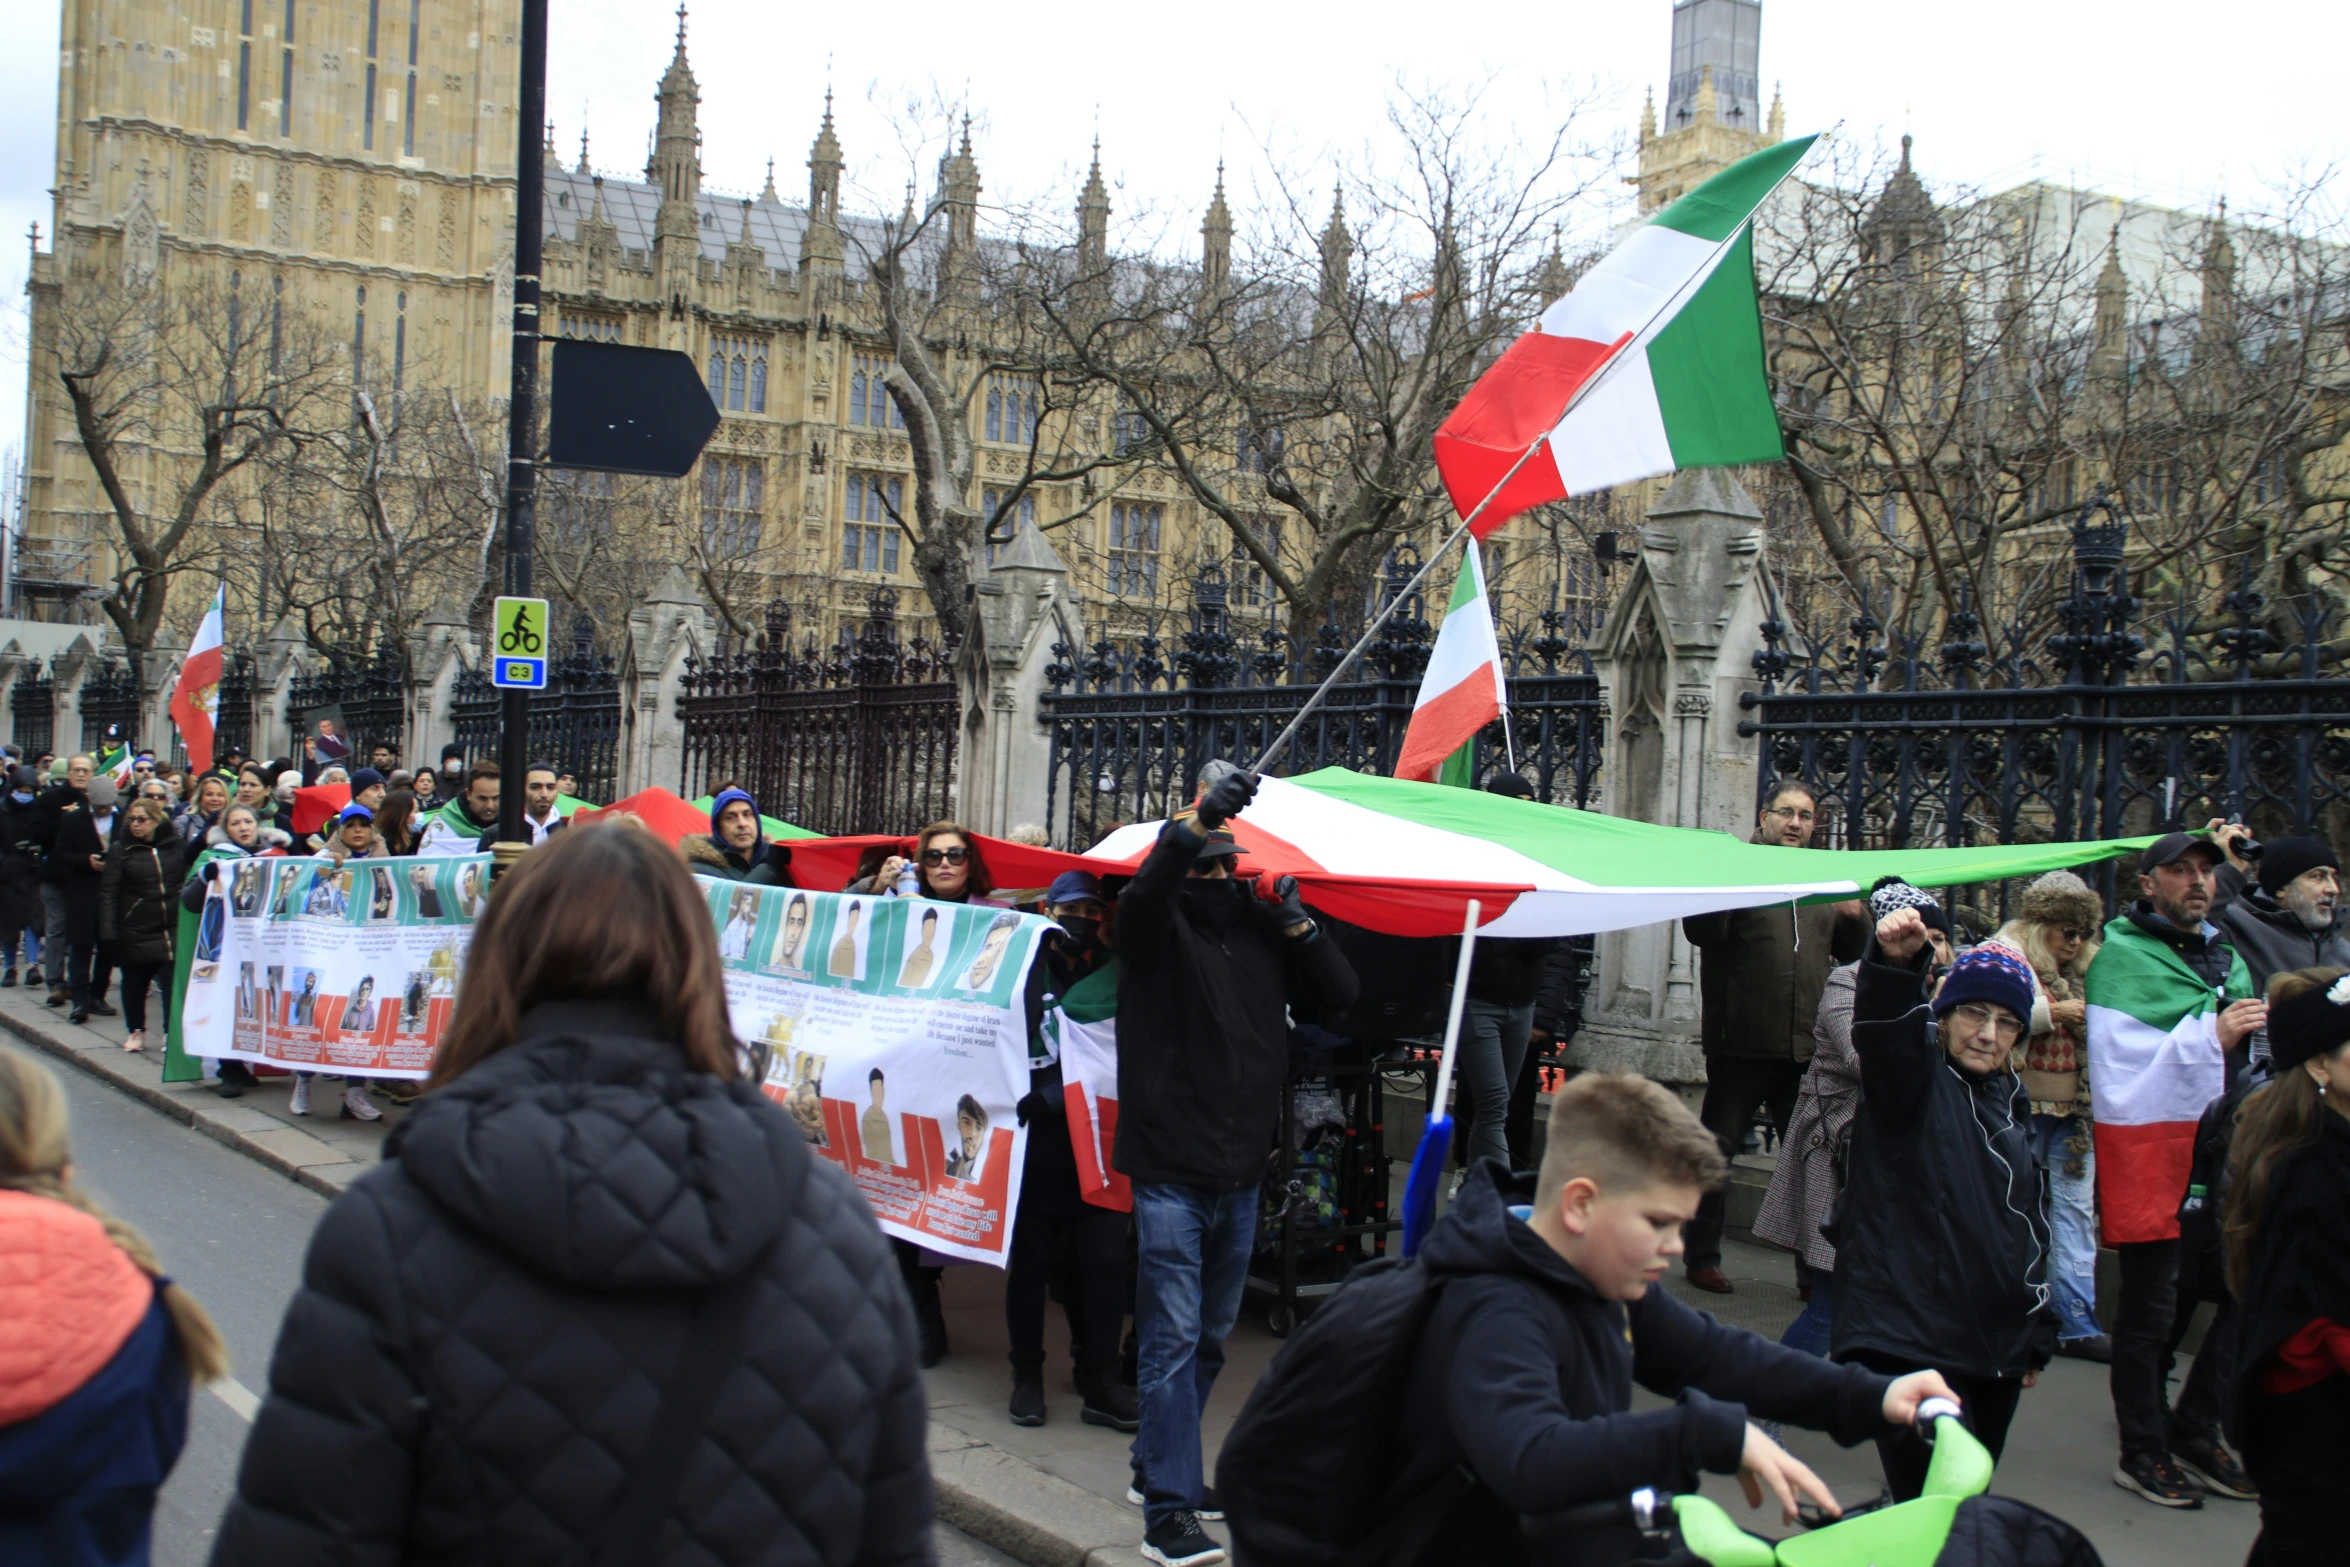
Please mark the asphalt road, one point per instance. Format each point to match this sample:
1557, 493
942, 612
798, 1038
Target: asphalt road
233, 1233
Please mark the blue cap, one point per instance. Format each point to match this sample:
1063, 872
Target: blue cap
354, 811
1070, 886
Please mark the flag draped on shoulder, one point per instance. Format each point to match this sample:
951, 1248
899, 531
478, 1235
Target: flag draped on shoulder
1085, 1028
1462, 690
195, 701
2154, 1063
1666, 331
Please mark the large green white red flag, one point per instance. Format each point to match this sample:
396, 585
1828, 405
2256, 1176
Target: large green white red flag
2154, 1063
1665, 330
1462, 690
195, 701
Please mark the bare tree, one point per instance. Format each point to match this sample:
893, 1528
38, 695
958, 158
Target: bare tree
175, 391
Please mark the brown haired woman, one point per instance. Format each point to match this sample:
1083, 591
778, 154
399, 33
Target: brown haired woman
101, 1351
138, 912
396, 829
947, 869
600, 1302
2287, 1234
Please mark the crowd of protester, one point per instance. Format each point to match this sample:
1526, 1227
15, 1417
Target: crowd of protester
1928, 1093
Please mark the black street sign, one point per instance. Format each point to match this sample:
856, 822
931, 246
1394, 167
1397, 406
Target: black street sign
615, 409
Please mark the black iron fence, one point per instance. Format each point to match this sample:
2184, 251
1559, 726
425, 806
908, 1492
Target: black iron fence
1131, 726
32, 709
856, 738
2136, 720
574, 722
232, 721
109, 706
371, 693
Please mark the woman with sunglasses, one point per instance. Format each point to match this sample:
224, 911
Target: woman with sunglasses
2056, 925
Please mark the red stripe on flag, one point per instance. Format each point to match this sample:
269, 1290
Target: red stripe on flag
1446, 722
2142, 1178
191, 704
1513, 405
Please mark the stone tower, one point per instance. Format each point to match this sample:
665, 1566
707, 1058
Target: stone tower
1093, 219
1713, 107
675, 170
1215, 232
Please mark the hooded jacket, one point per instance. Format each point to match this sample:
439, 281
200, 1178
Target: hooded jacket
1762, 972
2270, 937
764, 864
1941, 1246
488, 1322
93, 1391
1205, 974
1524, 1375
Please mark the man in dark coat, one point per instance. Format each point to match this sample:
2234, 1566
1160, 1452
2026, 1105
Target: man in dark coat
1208, 970
1941, 1245
21, 913
67, 781
1760, 977
489, 1320
2282, 911
737, 848
76, 865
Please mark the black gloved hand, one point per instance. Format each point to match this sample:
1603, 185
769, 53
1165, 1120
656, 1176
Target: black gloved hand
779, 856
1292, 911
1228, 797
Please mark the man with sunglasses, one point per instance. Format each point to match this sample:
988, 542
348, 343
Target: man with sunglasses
1760, 976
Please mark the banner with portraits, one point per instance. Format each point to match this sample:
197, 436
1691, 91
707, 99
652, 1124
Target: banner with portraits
897, 1037
308, 964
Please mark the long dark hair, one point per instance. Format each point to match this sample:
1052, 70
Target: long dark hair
395, 822
602, 911
976, 885
2285, 1116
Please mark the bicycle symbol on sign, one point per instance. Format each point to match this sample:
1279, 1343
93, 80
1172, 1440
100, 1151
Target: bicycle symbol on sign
519, 638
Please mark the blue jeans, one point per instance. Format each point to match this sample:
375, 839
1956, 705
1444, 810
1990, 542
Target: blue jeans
1809, 1332
1193, 1244
2070, 1202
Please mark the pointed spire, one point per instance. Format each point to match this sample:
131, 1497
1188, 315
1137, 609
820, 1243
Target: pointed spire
1216, 236
1553, 280
2219, 278
1093, 217
958, 192
676, 161
1648, 118
767, 191
583, 152
1778, 126
1338, 248
2109, 346
552, 159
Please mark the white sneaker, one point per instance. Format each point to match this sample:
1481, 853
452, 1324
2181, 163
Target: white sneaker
357, 1105
301, 1102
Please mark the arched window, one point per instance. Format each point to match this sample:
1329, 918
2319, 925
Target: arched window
759, 380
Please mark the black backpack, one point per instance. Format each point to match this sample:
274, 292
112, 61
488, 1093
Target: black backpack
1304, 1475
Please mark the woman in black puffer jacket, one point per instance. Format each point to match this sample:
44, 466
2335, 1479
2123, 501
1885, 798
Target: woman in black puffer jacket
493, 1355
138, 894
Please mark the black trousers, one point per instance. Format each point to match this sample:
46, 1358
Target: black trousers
89, 969
1518, 1129
2296, 1446
1987, 1408
1050, 1219
136, 978
1734, 1089
2159, 1290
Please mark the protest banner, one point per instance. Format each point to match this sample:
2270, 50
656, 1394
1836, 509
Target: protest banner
308, 964
897, 1037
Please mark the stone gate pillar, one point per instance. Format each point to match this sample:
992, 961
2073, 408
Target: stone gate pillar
671, 624
1677, 653
68, 672
1004, 756
439, 648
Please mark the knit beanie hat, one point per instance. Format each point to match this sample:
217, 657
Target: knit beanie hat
102, 793
59, 770
2287, 858
1991, 972
2314, 1023
1891, 893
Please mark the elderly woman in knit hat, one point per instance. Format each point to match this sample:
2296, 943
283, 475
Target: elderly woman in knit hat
1810, 1171
2056, 926
1941, 1250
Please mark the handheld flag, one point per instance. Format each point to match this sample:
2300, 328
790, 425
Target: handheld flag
195, 701
1463, 689
1419, 1188
1655, 358
116, 764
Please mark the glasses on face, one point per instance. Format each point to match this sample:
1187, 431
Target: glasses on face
1791, 813
2006, 1028
2069, 933
954, 856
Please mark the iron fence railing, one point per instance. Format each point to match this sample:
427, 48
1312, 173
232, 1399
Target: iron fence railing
371, 692
574, 722
32, 709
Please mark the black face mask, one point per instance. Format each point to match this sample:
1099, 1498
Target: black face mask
1082, 929
1215, 901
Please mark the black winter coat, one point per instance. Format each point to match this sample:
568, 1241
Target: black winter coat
20, 864
49, 808
1524, 1376
1507, 971
488, 1322
136, 894
1941, 1246
1203, 1042
77, 838
2271, 937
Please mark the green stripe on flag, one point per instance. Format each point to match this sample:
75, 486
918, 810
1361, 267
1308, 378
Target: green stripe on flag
2138, 975
1707, 364
1715, 209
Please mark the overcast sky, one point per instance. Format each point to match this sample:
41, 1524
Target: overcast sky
2157, 99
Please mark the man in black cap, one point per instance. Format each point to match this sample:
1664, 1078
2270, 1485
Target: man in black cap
2282, 911
1208, 970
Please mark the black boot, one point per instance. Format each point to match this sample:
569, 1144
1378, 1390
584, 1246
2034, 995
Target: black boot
930, 1315
1110, 1402
8, 980
1027, 1395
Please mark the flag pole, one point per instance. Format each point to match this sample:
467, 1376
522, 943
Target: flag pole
1615, 356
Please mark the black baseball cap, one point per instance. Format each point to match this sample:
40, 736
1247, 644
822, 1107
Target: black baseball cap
2174, 845
1219, 842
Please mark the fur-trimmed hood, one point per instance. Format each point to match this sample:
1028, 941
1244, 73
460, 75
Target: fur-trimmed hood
699, 850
